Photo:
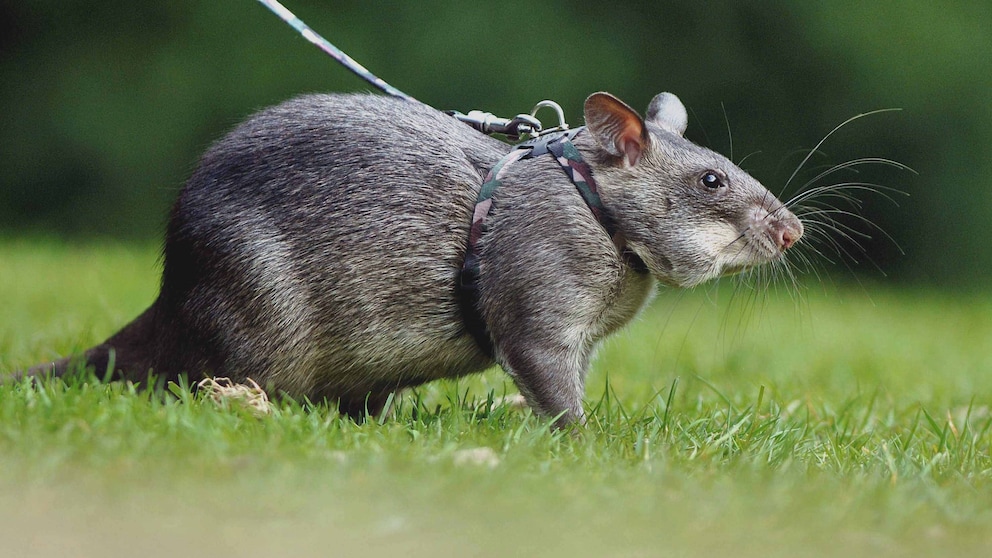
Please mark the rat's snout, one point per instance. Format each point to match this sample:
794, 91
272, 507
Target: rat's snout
772, 231
786, 231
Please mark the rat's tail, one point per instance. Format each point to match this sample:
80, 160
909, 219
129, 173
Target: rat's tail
128, 354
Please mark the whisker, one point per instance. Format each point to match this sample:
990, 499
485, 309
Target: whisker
821, 238
834, 223
843, 189
701, 127
730, 136
811, 246
830, 133
790, 154
837, 229
828, 213
846, 255
853, 164
746, 157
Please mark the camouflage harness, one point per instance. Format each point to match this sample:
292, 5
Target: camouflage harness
558, 144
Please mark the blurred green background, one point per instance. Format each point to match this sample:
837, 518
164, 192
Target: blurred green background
107, 104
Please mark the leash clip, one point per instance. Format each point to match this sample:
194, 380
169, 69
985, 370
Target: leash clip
512, 128
489, 123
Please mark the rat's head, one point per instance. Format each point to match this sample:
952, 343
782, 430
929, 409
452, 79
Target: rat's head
689, 213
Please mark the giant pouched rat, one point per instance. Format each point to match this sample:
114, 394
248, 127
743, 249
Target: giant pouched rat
318, 247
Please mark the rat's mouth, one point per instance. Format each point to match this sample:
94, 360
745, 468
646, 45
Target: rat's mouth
753, 248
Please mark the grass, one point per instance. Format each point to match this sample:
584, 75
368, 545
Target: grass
854, 422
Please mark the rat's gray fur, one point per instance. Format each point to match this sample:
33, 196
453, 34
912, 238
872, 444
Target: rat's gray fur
317, 249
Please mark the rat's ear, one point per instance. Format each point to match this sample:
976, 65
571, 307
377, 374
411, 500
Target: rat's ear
667, 111
617, 128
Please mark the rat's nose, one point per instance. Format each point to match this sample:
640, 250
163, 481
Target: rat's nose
787, 232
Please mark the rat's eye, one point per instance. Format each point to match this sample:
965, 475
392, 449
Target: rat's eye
713, 179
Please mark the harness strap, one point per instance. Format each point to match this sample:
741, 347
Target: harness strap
559, 145
468, 280
579, 172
